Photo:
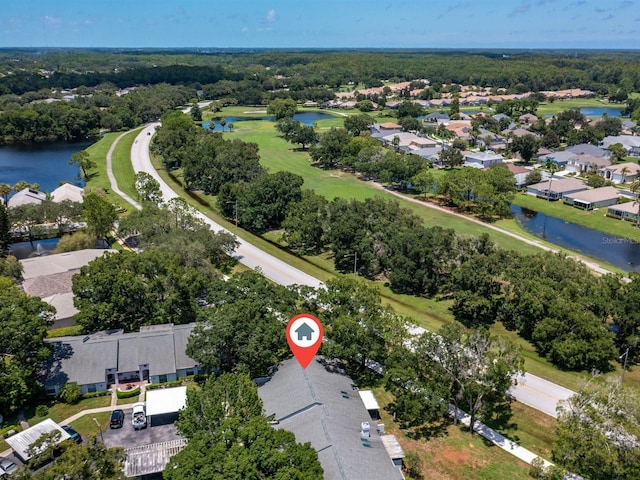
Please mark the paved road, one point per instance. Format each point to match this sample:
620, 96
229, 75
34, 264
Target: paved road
247, 254
530, 390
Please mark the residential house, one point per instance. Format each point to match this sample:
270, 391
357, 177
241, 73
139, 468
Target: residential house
49, 277
559, 159
322, 406
519, 132
556, 188
520, 173
630, 143
587, 163
156, 353
528, 118
26, 196
393, 104
66, 191
593, 198
624, 211
431, 154
588, 149
621, 172
482, 159
461, 129
380, 130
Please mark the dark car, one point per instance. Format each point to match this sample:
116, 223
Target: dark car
117, 419
75, 436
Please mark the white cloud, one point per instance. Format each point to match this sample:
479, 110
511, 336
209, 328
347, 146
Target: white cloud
49, 20
271, 16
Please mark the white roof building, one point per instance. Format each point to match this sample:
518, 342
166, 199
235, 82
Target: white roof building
20, 442
69, 192
26, 196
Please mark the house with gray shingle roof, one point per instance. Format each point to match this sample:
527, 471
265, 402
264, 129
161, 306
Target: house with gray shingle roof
156, 353
593, 198
321, 405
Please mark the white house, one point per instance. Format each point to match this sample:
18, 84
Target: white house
66, 191
26, 196
621, 172
482, 159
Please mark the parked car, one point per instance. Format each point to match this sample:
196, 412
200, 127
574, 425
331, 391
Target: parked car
7, 467
75, 436
138, 417
117, 419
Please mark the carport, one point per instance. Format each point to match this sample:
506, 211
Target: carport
20, 442
165, 402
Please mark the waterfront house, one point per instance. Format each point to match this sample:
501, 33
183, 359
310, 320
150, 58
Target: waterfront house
593, 198
556, 188
624, 211
482, 159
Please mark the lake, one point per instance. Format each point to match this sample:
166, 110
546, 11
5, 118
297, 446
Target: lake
620, 252
307, 118
44, 164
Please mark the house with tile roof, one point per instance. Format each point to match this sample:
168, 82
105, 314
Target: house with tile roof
621, 172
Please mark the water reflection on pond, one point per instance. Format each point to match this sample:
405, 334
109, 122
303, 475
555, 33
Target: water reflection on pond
620, 252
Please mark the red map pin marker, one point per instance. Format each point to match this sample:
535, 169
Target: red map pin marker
304, 336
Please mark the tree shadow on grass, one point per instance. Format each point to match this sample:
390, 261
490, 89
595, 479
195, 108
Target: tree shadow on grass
428, 431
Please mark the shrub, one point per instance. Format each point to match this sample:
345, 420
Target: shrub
4, 432
128, 393
42, 411
70, 393
175, 383
65, 331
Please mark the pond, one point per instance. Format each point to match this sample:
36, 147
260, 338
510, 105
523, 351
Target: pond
620, 252
46, 164
307, 118
37, 248
599, 111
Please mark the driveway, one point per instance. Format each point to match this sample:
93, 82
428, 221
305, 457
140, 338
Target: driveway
127, 437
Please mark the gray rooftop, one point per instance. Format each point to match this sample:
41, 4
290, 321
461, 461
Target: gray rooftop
320, 405
588, 149
559, 185
59, 263
84, 359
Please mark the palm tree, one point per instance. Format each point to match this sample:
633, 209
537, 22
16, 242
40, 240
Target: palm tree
5, 190
624, 172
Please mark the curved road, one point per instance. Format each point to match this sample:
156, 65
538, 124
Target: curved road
530, 389
246, 253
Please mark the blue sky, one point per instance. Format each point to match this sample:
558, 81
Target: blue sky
321, 23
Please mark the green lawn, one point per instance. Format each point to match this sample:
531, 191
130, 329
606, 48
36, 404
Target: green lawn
121, 165
98, 176
551, 108
86, 425
451, 452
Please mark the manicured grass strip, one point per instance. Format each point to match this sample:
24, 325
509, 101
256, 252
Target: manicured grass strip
98, 176
122, 167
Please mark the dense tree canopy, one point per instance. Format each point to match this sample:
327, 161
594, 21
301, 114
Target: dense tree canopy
598, 432
127, 290
22, 348
229, 438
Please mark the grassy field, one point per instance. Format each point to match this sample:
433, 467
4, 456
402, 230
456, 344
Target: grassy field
121, 165
452, 453
551, 108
